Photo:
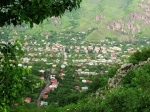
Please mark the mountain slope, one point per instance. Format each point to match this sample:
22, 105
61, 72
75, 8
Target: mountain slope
117, 18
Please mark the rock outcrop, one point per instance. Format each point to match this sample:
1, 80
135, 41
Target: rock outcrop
116, 80
99, 18
136, 20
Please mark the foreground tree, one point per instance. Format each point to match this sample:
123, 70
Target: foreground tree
14, 79
33, 11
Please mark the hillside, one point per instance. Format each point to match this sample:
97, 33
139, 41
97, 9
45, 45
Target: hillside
117, 18
75, 60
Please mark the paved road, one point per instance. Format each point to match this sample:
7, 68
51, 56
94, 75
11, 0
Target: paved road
42, 92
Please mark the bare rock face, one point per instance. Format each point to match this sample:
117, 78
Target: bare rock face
116, 80
99, 18
131, 26
125, 67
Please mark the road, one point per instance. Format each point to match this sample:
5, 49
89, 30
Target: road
42, 92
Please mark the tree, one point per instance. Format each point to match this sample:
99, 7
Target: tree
14, 80
33, 11
138, 56
13, 77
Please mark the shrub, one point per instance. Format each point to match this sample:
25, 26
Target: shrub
138, 56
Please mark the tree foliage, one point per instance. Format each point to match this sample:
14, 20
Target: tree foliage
33, 11
13, 77
138, 56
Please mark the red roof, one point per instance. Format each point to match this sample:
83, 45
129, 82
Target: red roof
53, 80
42, 77
45, 96
47, 89
88, 81
28, 99
77, 87
55, 83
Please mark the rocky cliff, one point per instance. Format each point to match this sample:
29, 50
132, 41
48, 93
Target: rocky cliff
136, 20
115, 81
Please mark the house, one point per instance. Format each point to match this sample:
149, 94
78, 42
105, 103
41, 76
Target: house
84, 88
47, 89
42, 71
29, 66
44, 96
52, 71
89, 81
52, 77
77, 87
27, 100
85, 81
52, 87
44, 59
62, 75
53, 65
26, 60
44, 103
20, 65
55, 84
42, 78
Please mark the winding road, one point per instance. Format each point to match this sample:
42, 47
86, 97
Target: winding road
42, 92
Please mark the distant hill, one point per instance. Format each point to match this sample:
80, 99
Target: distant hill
117, 18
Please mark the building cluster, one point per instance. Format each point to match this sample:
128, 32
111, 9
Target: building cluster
75, 54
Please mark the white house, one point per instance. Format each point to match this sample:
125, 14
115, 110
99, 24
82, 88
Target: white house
44, 103
84, 88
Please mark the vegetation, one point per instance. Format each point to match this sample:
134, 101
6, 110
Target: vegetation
33, 11
13, 77
140, 55
67, 39
132, 96
78, 20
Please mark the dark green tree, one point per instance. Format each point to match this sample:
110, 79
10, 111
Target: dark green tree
14, 79
33, 11
140, 55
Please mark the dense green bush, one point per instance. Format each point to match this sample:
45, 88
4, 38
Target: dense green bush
138, 78
126, 100
138, 56
133, 96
